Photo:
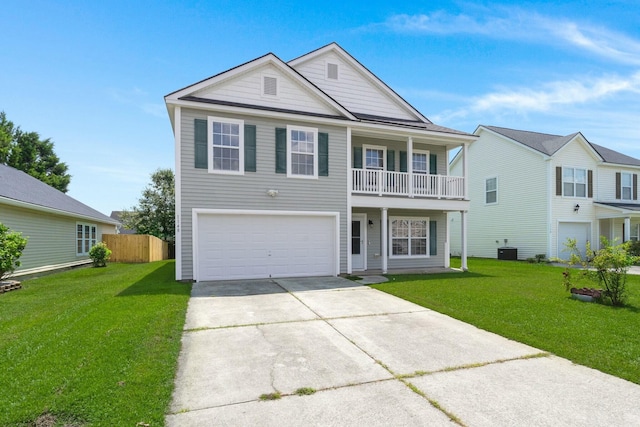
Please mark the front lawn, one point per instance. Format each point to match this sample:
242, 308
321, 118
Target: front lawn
528, 303
92, 346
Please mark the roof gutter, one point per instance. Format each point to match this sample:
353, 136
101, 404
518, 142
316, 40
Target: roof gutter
20, 204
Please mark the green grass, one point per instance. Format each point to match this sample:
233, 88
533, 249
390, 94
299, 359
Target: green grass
92, 346
528, 303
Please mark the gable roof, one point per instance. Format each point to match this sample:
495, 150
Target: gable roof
357, 65
550, 144
193, 94
189, 93
18, 187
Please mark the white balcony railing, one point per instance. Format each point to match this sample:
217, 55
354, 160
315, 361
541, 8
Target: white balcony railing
385, 183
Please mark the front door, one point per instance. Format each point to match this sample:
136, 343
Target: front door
358, 237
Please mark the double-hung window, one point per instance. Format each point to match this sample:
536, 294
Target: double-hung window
302, 148
86, 238
574, 182
420, 162
374, 157
626, 186
409, 237
491, 190
226, 145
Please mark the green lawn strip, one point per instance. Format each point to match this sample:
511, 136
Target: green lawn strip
528, 303
96, 345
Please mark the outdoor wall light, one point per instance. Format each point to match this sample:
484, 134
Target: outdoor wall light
576, 208
272, 193
370, 224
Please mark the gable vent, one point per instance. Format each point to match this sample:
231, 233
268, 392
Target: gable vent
332, 71
270, 86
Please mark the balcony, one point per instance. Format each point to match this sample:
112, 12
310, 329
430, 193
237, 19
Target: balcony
386, 183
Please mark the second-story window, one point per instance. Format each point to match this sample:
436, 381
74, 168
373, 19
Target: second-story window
302, 156
626, 186
574, 182
226, 141
491, 190
420, 162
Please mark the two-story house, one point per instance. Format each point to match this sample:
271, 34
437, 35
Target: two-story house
308, 167
531, 191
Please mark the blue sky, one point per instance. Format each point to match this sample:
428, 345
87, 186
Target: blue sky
92, 75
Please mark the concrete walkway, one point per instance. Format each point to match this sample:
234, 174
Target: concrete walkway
373, 360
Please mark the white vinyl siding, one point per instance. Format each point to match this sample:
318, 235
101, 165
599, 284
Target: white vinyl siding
249, 89
355, 91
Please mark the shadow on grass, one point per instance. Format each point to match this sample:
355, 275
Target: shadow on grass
426, 277
159, 282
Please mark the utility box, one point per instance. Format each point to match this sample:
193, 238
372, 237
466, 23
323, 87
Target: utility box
507, 253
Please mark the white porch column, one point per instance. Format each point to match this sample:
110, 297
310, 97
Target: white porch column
463, 229
447, 250
383, 240
627, 230
465, 169
410, 164
349, 204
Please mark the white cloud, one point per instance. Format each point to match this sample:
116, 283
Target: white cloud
138, 98
548, 97
519, 24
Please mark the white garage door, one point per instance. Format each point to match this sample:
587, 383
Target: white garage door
251, 246
581, 231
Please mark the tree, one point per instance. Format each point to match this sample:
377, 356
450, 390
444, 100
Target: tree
11, 246
155, 213
27, 152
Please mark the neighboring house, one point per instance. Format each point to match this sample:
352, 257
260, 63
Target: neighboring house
61, 230
308, 167
531, 191
117, 215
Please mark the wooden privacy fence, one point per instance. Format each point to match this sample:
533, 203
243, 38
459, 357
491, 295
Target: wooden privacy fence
136, 247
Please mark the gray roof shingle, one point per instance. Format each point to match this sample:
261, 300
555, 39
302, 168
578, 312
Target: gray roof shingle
549, 144
21, 187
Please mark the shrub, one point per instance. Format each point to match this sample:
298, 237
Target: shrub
100, 254
608, 267
11, 246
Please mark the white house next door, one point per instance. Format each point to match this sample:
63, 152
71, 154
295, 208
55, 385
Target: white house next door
358, 239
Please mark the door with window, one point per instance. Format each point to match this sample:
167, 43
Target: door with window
358, 240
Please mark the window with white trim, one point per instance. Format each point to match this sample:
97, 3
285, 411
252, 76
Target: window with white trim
409, 237
626, 186
635, 232
86, 238
574, 182
491, 190
374, 157
420, 161
302, 152
226, 145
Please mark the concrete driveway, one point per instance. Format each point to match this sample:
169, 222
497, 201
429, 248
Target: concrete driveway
373, 360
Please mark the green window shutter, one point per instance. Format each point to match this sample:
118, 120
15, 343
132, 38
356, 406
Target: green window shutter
590, 184
357, 157
403, 161
391, 160
200, 149
618, 185
433, 164
281, 150
249, 148
433, 238
635, 186
558, 181
323, 154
